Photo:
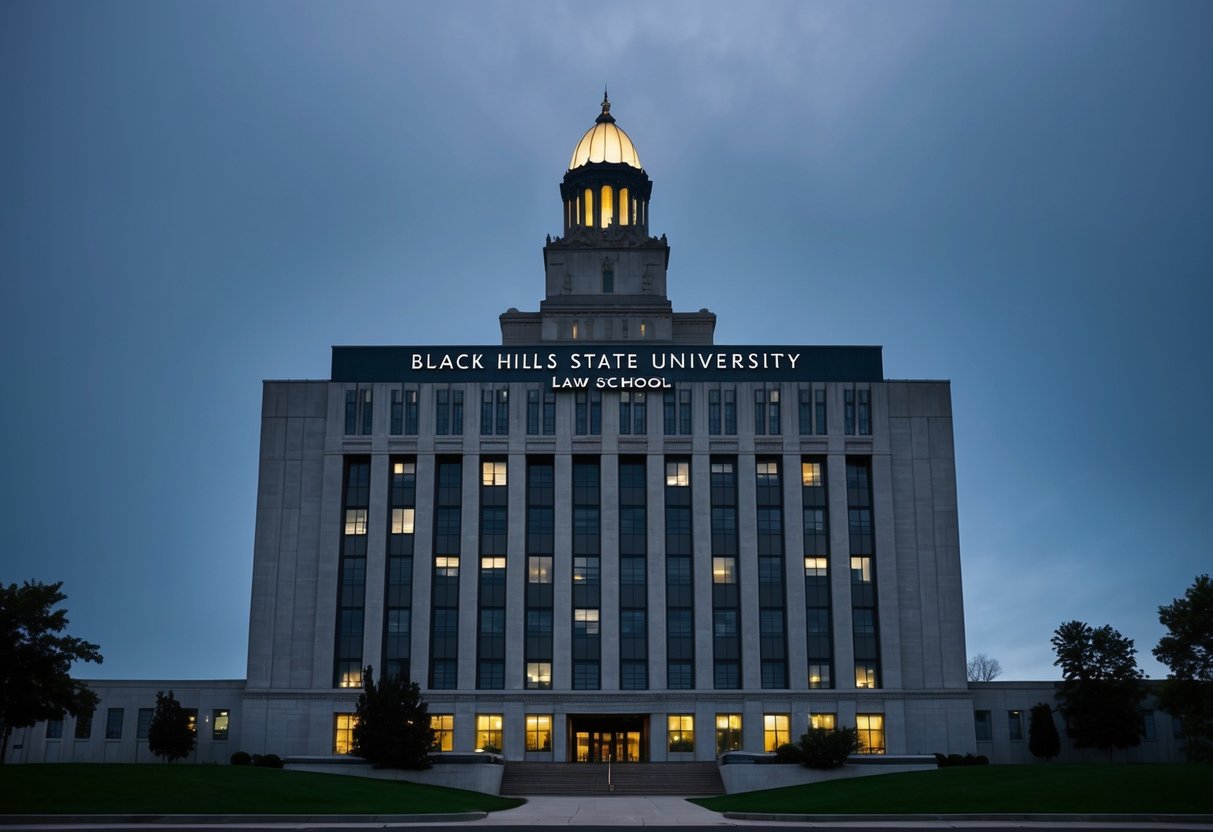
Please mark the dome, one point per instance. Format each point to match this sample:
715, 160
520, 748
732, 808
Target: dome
605, 142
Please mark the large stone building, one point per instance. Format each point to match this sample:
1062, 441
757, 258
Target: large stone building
607, 537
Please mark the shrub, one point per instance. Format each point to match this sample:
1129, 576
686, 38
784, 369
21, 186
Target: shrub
828, 747
788, 753
242, 758
267, 760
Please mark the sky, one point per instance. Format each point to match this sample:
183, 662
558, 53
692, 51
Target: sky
197, 196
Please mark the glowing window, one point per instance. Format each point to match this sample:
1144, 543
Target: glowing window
775, 731
492, 473
724, 570
678, 474
402, 520
585, 621
446, 566
642, 329
827, 721
350, 678
608, 206
221, 720
815, 567
871, 733
728, 733
495, 562
538, 732
861, 570
810, 474
819, 676
444, 731
539, 569
865, 675
624, 204
355, 521
574, 330
588, 202
488, 733
680, 732
539, 675
343, 733
402, 468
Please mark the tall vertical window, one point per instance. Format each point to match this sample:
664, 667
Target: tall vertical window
857, 411
1015, 725
772, 602
113, 723
532, 411
448, 411
343, 733
221, 720
819, 641
714, 411
143, 727
633, 575
871, 733
84, 726
863, 574
444, 731
728, 733
410, 412
726, 603
494, 411
358, 411
365, 407
444, 579
766, 411
397, 414
608, 279
680, 733
588, 412
632, 417
676, 412
540, 412
494, 509
488, 733
776, 731
587, 589
351, 582
540, 548
804, 410
398, 585
679, 596
538, 732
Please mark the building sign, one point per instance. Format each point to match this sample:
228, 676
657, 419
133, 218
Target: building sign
605, 366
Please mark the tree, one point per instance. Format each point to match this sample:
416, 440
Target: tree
1187, 649
1043, 740
982, 668
36, 660
170, 735
1102, 686
828, 747
393, 728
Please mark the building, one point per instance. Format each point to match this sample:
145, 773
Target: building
605, 538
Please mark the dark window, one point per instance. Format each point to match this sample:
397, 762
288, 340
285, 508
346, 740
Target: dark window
143, 728
397, 415
984, 726
113, 723
84, 726
608, 280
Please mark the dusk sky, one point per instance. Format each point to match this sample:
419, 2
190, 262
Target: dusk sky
194, 197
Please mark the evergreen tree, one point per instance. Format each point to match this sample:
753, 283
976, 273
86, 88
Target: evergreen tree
1043, 739
828, 747
1102, 686
393, 726
1187, 649
170, 735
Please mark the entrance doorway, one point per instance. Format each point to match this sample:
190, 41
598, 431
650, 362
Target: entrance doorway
615, 738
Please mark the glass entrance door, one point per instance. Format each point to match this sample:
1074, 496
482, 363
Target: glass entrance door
616, 739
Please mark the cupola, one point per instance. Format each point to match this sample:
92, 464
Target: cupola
605, 186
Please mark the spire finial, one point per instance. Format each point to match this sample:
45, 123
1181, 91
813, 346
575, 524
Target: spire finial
605, 116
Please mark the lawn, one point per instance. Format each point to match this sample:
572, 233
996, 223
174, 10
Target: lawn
206, 789
1182, 788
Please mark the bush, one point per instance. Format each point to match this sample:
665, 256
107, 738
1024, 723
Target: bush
958, 760
267, 761
788, 753
242, 758
828, 747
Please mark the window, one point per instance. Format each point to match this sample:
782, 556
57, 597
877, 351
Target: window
586, 571
819, 405
191, 716
865, 674
538, 732
539, 675
84, 726
585, 622
871, 733
766, 411
728, 733
1149, 730
1177, 728
54, 729
114, 718
488, 733
358, 411
819, 675
343, 733
397, 414
402, 520
539, 569
815, 567
446, 566
826, 721
143, 727
355, 521
587, 413
608, 279
724, 570
1015, 725
680, 733
776, 731
493, 473
632, 413
444, 731
810, 474
861, 570
678, 474
220, 722
983, 724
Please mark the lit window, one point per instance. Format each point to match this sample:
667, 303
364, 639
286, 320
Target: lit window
495, 562
681, 732
871, 733
775, 731
446, 566
678, 474
402, 520
539, 675
810, 474
585, 571
343, 733
585, 621
191, 716
488, 733
538, 732
492, 473
355, 521
767, 471
539, 569
865, 675
728, 733
401, 469
819, 675
724, 570
608, 206
351, 678
444, 731
815, 567
642, 329
826, 721
220, 722
861, 570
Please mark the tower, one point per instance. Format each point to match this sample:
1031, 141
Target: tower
605, 278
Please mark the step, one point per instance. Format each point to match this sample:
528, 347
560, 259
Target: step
684, 779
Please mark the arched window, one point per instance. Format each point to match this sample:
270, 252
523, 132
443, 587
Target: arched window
589, 208
624, 204
608, 206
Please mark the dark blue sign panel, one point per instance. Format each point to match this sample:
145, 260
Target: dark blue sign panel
606, 366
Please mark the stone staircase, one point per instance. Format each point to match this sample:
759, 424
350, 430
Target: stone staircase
685, 779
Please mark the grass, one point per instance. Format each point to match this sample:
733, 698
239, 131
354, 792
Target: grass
204, 789
1180, 788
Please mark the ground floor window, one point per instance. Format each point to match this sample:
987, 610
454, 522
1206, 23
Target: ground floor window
871, 733
444, 731
775, 731
488, 733
538, 732
827, 721
728, 733
343, 733
221, 720
681, 732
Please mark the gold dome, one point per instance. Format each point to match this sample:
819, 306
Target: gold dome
605, 142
